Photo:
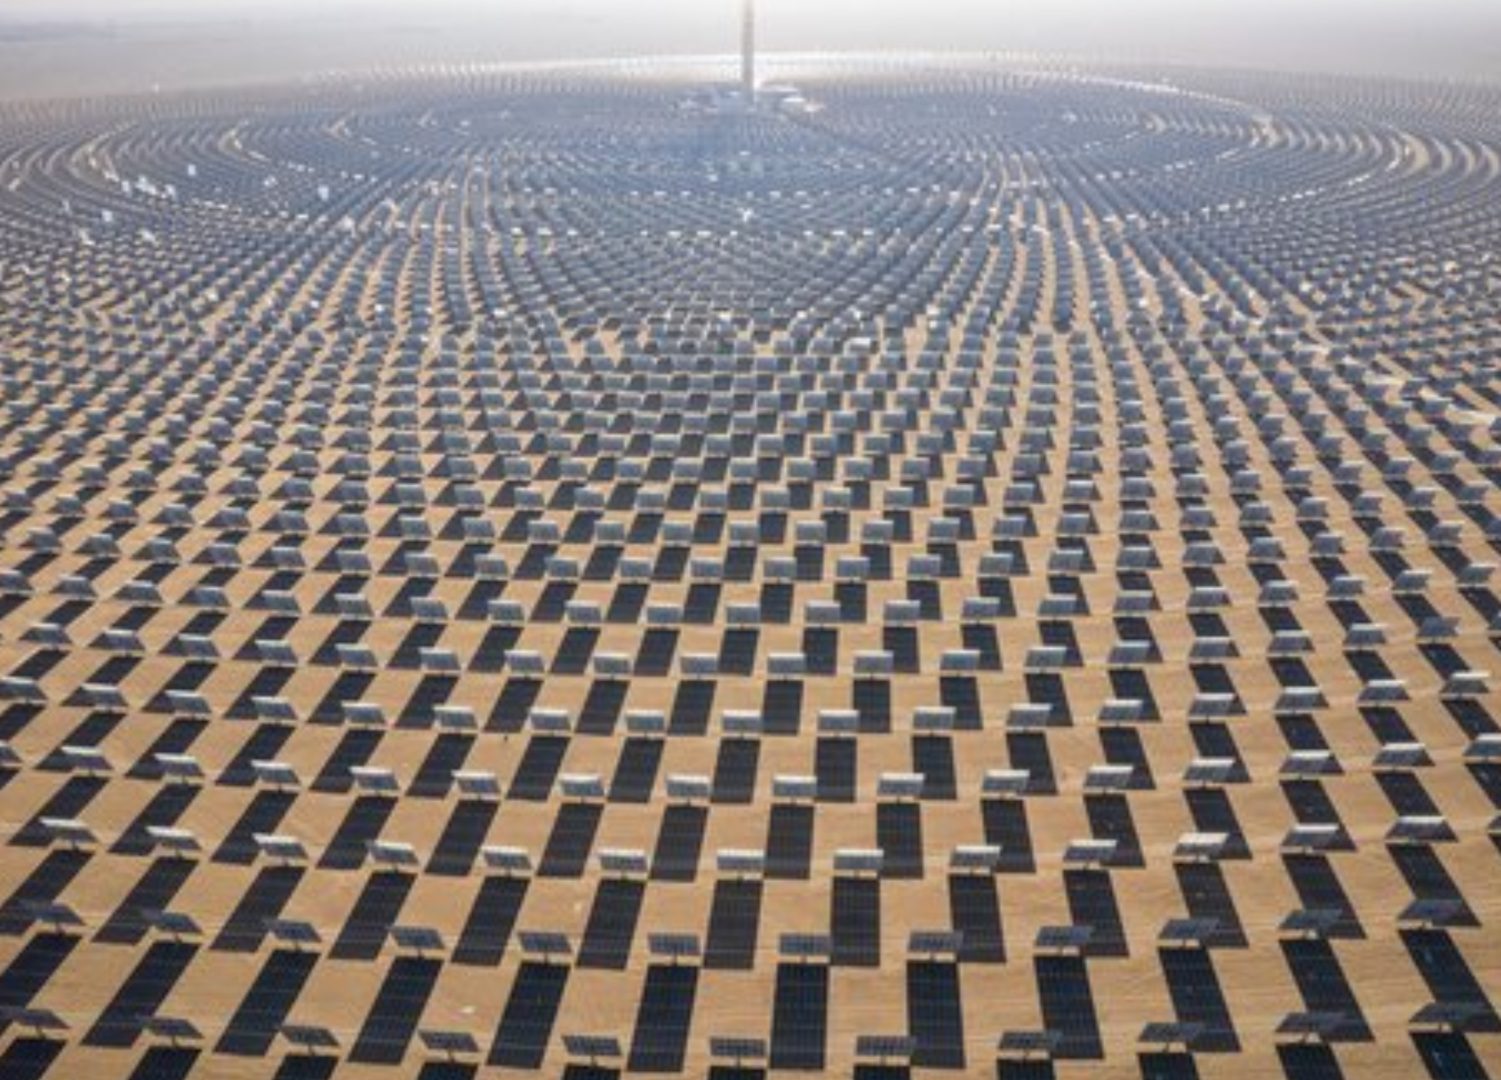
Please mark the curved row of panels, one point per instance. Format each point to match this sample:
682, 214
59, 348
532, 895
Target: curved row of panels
991, 575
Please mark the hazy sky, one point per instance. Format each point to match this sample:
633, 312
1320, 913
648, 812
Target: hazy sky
181, 42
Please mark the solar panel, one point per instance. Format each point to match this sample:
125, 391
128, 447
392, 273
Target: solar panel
1404, 755
37, 1019
1465, 684
1484, 747
885, 1047
86, 759
742, 723
1005, 782
935, 942
592, 1046
476, 784
375, 780
800, 946
1090, 852
419, 939
1315, 921
581, 786
1028, 1043
859, 860
21, 689
1216, 770
611, 665
1202, 845
392, 854
900, 785
691, 788
794, 787
450, 1044
309, 1037
275, 774
622, 861
1107, 778
550, 721
364, 714
179, 766
285, 848
172, 923
67, 831
293, 932
525, 662
1311, 837
1063, 938
838, 721
1432, 911
1309, 763
52, 913
1193, 931
175, 1029
1449, 1015
546, 944
975, 857
674, 946
737, 1048
1317, 1025
1421, 829
1170, 1033
1029, 716
173, 840
454, 718
645, 722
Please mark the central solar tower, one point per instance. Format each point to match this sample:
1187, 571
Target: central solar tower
748, 50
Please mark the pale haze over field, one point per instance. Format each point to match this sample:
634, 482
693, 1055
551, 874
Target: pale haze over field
55, 47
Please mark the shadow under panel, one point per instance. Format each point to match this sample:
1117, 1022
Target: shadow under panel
855, 922
899, 836
660, 1040
154, 891
569, 843
734, 926
680, 843
1197, 998
1321, 981
525, 1028
1092, 903
488, 928
537, 771
255, 1024
612, 924
935, 1014
351, 844
166, 1063
975, 911
31, 969
374, 913
462, 838
789, 842
144, 989
799, 1019
393, 1018
267, 896
735, 771
1068, 1005
29, 1059
263, 815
